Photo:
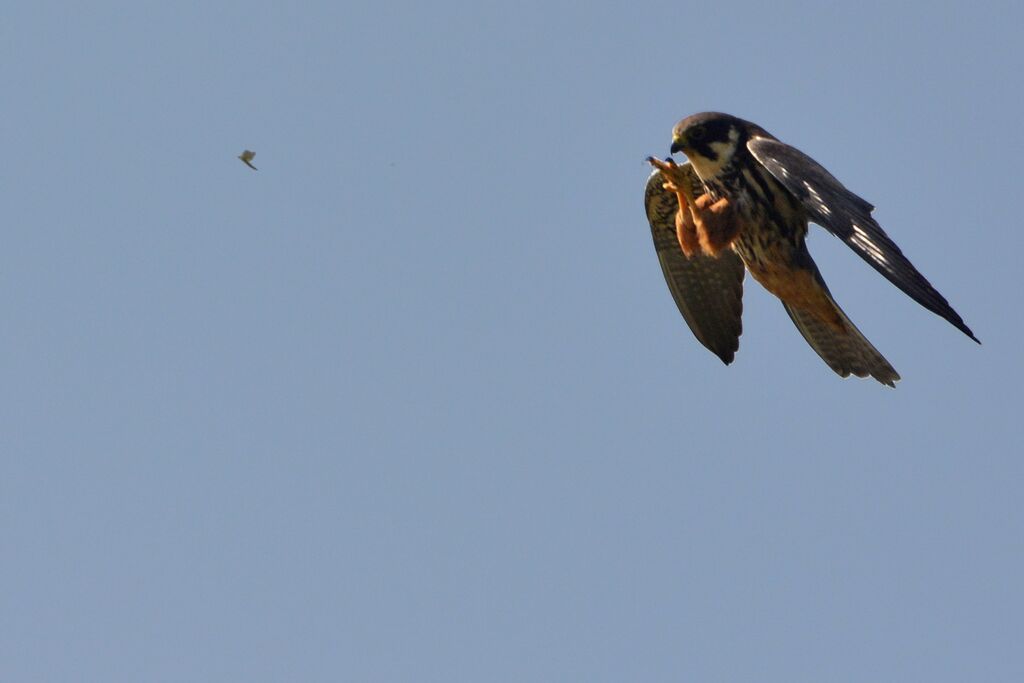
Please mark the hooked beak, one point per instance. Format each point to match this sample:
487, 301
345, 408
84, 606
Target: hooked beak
678, 145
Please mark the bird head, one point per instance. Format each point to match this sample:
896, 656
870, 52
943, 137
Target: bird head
712, 140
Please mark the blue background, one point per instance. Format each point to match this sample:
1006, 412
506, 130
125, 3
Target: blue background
413, 403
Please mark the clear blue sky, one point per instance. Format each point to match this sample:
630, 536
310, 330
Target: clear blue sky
413, 403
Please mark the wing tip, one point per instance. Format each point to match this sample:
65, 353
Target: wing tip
966, 330
727, 357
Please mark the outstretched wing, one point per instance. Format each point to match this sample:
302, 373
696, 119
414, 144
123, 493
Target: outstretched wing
847, 216
707, 290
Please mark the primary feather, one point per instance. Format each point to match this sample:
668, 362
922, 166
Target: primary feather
829, 204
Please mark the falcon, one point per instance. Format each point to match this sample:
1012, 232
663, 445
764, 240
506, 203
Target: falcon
743, 201
247, 157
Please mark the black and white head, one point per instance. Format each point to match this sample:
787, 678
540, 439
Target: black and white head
714, 142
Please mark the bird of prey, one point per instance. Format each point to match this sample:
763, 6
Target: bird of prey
744, 200
247, 157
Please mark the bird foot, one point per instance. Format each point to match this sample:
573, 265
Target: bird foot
686, 229
674, 181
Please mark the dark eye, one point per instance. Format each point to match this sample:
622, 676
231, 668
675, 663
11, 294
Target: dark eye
695, 134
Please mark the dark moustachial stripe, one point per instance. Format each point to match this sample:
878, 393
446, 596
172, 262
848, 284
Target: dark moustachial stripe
703, 147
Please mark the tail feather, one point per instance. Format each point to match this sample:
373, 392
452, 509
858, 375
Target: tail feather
846, 351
